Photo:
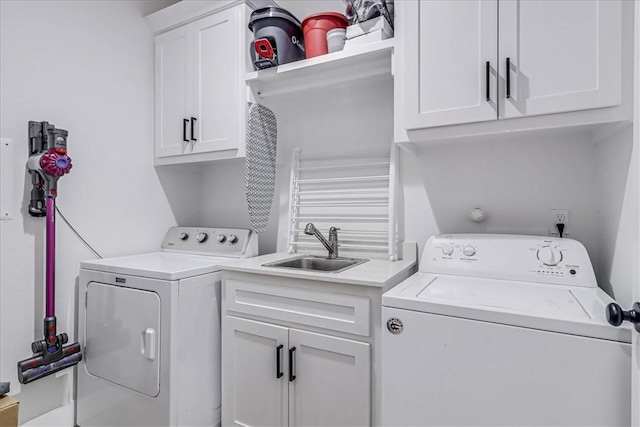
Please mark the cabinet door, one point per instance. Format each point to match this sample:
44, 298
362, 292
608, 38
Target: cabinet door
217, 78
173, 92
564, 55
252, 393
332, 381
450, 62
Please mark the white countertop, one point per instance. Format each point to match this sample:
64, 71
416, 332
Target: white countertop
375, 272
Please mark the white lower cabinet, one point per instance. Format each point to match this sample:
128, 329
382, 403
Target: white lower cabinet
328, 380
280, 376
255, 387
298, 352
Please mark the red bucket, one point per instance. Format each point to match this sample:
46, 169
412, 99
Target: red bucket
314, 29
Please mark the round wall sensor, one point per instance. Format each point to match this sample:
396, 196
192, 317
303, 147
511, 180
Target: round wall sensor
477, 215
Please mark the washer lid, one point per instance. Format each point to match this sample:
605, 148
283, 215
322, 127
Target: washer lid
157, 265
537, 300
550, 307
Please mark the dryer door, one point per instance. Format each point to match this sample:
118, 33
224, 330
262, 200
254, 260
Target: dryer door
123, 337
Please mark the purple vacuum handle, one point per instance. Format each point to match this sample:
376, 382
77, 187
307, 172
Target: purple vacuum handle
57, 165
51, 258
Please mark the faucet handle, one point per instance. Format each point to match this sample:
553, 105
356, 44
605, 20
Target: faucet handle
333, 234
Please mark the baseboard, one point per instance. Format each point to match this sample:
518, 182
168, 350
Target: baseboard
59, 417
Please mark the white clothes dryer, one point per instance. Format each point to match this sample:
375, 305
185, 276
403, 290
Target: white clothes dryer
149, 327
501, 330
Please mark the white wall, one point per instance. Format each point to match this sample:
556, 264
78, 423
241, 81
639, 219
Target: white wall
518, 180
86, 67
617, 234
302, 9
322, 122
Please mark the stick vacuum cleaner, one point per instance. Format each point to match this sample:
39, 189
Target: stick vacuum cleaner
48, 161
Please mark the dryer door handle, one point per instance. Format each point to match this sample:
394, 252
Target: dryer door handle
149, 343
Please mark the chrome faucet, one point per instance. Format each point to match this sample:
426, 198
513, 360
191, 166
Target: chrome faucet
331, 244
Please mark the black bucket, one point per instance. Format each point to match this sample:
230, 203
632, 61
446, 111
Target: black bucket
279, 29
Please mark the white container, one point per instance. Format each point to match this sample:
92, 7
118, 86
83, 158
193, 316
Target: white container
335, 39
370, 31
372, 37
376, 25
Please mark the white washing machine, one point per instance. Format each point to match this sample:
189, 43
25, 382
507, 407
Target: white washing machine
149, 326
503, 330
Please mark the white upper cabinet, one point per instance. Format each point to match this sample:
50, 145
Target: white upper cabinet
199, 88
173, 92
563, 56
451, 61
217, 77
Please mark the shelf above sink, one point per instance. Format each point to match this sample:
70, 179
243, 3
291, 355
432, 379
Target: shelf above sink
360, 62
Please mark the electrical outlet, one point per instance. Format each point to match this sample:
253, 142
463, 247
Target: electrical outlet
559, 216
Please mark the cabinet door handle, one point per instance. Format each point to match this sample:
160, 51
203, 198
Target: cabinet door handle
278, 367
488, 72
184, 130
292, 364
508, 78
193, 122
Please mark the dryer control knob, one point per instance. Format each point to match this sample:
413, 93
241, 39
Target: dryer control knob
549, 256
447, 249
202, 237
469, 251
183, 236
221, 238
233, 239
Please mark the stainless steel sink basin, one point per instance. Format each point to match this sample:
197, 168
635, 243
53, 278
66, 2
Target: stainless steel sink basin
317, 263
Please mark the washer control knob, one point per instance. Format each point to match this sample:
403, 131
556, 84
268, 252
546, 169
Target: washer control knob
233, 239
183, 236
549, 256
447, 249
202, 237
221, 238
469, 251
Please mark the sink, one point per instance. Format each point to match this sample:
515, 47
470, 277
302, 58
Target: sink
317, 263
